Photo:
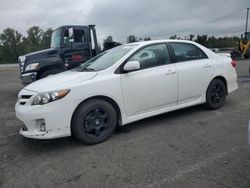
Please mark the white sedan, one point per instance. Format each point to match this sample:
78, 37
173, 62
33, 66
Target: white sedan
123, 85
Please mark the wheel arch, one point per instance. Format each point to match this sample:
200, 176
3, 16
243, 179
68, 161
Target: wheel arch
105, 98
221, 78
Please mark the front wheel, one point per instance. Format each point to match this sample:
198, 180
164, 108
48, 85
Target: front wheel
94, 121
216, 94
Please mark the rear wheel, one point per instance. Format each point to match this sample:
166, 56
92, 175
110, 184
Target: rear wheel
94, 121
216, 94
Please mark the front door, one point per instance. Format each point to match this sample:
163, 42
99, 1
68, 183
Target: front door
154, 86
76, 49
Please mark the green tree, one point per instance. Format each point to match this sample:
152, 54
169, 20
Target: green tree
131, 38
33, 41
46, 38
11, 45
202, 39
147, 38
191, 37
109, 39
173, 37
221, 42
109, 43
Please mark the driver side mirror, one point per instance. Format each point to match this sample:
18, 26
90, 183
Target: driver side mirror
71, 35
131, 66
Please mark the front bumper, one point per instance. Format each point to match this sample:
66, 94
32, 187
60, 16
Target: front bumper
28, 78
43, 121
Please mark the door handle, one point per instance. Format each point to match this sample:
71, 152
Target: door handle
207, 66
170, 72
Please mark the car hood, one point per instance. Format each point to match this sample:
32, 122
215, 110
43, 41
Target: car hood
41, 54
63, 80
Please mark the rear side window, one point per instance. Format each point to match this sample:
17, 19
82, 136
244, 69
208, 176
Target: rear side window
187, 52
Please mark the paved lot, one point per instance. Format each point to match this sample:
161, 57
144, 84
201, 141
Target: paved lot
192, 147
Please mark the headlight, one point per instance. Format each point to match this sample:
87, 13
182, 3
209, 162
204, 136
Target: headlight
22, 58
32, 66
44, 98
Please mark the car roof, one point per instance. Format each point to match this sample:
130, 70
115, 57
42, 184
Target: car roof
143, 43
162, 41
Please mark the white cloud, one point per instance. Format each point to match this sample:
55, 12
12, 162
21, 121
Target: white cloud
119, 18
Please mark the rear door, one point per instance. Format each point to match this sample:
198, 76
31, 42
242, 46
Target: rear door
194, 71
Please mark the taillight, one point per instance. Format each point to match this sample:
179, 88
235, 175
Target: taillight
233, 63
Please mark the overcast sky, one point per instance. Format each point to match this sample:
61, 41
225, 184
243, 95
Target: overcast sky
157, 19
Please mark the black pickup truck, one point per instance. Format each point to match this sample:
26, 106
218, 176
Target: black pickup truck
71, 46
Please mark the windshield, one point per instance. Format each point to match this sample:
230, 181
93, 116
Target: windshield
106, 59
56, 39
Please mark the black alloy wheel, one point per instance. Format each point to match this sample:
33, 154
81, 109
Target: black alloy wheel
94, 121
216, 94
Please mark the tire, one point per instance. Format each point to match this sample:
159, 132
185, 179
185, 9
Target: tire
215, 95
94, 121
246, 56
50, 72
234, 54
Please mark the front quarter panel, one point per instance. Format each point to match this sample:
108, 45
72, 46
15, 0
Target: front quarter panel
105, 85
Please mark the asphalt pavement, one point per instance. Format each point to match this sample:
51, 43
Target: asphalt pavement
192, 147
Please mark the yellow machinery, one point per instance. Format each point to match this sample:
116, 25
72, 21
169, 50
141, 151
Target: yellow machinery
244, 45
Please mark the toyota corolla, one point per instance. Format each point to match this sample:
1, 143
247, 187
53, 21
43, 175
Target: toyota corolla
123, 85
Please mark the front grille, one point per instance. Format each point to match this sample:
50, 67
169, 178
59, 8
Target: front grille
24, 98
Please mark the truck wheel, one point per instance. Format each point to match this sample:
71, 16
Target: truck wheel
215, 95
94, 121
246, 56
50, 72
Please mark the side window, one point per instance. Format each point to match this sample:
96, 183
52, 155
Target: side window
79, 36
187, 52
66, 37
201, 54
152, 56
